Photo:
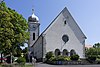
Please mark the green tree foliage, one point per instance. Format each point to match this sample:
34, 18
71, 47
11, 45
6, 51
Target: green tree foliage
49, 55
25, 50
74, 57
60, 58
94, 52
21, 60
97, 45
92, 57
13, 29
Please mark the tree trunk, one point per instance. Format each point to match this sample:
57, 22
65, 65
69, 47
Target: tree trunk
11, 58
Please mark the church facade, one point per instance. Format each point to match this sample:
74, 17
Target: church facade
63, 37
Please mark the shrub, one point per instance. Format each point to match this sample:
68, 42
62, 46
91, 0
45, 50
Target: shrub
21, 60
49, 55
92, 57
52, 58
60, 58
6, 65
67, 58
98, 62
74, 57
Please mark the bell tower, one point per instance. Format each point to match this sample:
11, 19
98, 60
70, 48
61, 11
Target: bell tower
33, 22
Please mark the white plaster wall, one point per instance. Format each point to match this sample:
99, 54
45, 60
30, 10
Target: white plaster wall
31, 41
74, 26
54, 33
37, 48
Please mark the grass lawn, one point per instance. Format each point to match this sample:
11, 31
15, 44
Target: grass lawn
27, 65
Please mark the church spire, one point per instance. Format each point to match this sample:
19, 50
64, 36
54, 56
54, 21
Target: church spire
33, 17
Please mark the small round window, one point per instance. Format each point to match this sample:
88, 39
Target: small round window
65, 38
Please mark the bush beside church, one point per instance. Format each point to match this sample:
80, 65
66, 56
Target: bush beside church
61, 59
92, 57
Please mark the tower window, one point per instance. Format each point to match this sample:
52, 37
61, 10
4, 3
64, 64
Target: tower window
65, 22
33, 36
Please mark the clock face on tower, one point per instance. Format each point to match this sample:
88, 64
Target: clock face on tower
33, 28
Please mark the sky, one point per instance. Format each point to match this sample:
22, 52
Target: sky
85, 12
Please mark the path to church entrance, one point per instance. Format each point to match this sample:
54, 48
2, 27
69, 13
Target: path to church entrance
46, 65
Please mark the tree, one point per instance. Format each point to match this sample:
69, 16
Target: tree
92, 53
13, 29
25, 50
21, 60
97, 45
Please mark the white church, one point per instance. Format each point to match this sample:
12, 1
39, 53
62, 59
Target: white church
63, 36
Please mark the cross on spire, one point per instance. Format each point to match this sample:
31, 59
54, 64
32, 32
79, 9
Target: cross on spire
32, 11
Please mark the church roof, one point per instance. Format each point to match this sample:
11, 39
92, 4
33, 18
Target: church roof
73, 25
65, 12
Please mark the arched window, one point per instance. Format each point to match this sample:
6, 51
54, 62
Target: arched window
72, 52
65, 52
65, 22
57, 52
33, 36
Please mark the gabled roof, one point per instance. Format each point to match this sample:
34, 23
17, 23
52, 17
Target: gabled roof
73, 25
52, 22
66, 13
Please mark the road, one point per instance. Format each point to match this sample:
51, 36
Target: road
46, 65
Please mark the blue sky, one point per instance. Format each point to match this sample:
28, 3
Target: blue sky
85, 12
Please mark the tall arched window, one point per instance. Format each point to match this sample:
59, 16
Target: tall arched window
57, 52
33, 36
65, 52
72, 52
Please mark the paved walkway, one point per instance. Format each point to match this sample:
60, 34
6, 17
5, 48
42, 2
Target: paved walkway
46, 65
